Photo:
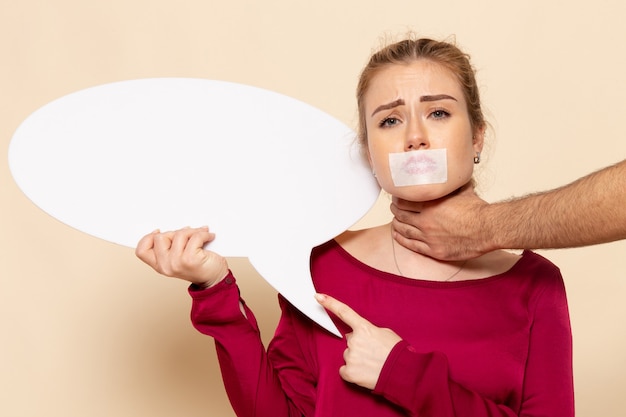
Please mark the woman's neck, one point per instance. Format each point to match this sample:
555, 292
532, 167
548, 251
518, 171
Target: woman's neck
376, 248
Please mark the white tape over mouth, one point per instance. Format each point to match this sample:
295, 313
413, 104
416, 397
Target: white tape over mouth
419, 167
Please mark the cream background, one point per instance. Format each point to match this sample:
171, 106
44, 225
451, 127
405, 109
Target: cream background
87, 330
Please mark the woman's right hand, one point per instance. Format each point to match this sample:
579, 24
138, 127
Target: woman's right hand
181, 254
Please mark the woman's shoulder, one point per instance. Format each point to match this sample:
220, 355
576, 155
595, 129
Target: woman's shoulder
525, 264
491, 264
362, 238
367, 245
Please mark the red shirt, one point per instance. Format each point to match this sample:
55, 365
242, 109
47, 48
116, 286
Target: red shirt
497, 346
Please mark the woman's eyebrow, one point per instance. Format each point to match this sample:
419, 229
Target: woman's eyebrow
395, 103
437, 97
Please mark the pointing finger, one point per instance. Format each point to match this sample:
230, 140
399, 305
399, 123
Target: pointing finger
341, 310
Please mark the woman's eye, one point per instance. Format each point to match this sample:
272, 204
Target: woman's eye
439, 114
389, 121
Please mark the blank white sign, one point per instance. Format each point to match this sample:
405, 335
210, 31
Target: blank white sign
271, 176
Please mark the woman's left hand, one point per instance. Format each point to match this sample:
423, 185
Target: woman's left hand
368, 345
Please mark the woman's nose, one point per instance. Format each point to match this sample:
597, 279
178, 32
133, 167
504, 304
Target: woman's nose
416, 137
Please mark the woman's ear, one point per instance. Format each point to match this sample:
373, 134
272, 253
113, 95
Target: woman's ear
478, 139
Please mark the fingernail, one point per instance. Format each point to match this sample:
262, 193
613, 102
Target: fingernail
320, 298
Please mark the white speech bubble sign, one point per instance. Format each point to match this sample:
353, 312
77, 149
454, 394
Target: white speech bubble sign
272, 176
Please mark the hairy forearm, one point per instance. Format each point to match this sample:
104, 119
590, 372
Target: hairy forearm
588, 211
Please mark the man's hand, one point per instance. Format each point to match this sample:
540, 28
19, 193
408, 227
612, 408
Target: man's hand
449, 229
367, 346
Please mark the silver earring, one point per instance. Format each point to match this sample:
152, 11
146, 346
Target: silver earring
477, 158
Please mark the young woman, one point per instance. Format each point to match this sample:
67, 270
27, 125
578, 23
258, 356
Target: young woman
485, 337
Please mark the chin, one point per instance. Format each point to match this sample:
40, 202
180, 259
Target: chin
420, 193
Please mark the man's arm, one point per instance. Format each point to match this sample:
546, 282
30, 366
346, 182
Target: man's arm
588, 211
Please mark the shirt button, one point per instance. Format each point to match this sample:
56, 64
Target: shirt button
228, 280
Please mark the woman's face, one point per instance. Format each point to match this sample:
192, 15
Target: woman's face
419, 106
